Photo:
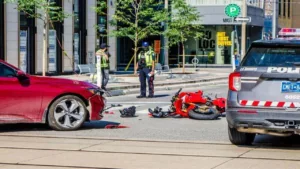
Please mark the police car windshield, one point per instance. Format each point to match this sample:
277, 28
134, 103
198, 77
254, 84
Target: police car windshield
272, 56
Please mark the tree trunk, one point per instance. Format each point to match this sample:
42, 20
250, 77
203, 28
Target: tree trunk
135, 52
45, 44
135, 59
183, 58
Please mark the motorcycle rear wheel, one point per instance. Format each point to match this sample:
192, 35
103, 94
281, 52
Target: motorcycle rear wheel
213, 115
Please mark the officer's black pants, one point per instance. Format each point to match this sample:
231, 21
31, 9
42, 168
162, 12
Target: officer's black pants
143, 74
105, 77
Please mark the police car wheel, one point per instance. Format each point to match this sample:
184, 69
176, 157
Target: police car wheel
239, 138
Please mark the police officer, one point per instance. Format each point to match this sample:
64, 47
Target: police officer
145, 65
103, 53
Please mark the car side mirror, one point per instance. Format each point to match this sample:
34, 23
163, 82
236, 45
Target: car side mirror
21, 75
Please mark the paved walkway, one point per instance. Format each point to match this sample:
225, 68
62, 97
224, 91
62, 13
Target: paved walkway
192, 76
50, 152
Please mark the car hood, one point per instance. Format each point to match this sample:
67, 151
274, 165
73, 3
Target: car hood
61, 81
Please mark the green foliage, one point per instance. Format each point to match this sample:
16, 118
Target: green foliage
101, 7
136, 19
181, 24
37, 8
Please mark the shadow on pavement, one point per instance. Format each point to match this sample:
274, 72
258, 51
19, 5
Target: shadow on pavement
23, 127
44, 127
267, 141
161, 95
97, 125
274, 142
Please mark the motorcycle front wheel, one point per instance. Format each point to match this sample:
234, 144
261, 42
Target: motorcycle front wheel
213, 114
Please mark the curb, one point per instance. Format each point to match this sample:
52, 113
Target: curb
202, 83
168, 83
115, 139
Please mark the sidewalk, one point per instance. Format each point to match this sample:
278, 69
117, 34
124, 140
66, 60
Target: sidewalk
129, 83
62, 153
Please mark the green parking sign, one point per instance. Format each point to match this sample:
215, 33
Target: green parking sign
232, 10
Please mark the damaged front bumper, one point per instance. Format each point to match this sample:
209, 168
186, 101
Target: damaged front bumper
96, 107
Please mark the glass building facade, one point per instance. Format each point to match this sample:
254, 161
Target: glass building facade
214, 47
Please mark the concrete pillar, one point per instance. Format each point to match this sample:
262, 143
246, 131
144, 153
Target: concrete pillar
12, 34
112, 41
68, 37
91, 31
39, 46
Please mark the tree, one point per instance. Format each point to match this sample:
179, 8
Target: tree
182, 25
45, 10
137, 19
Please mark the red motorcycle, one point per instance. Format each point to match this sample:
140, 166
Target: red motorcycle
193, 105
197, 106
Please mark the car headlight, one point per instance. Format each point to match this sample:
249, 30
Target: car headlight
94, 91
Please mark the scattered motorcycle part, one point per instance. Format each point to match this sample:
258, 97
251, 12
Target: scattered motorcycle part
158, 113
128, 112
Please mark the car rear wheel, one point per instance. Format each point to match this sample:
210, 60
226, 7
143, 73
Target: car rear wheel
239, 138
67, 113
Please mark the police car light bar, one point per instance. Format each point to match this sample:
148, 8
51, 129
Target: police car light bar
289, 32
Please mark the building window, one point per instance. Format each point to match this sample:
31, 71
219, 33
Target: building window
284, 7
79, 38
2, 53
102, 28
27, 43
76, 34
23, 42
289, 8
279, 6
55, 51
213, 48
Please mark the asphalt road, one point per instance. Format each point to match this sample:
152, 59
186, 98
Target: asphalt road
144, 127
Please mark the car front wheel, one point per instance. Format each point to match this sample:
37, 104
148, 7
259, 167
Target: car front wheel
239, 138
67, 113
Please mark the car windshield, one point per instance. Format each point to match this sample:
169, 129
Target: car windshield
272, 56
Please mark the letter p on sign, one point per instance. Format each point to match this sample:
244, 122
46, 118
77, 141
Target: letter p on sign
232, 9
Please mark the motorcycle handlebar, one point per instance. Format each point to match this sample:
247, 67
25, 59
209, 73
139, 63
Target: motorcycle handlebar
178, 92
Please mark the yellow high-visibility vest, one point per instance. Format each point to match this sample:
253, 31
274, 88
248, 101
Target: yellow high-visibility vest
148, 57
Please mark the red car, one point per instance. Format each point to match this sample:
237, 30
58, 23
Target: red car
62, 104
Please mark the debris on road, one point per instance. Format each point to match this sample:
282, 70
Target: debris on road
114, 126
107, 112
128, 112
158, 113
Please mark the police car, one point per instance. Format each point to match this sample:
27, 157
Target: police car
264, 92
